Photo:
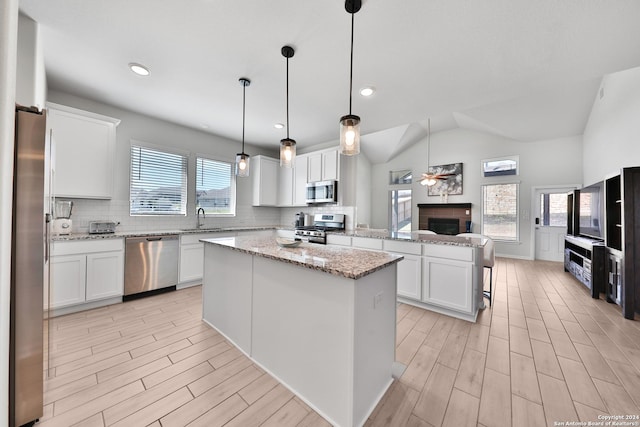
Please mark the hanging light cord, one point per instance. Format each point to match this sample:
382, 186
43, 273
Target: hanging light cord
428, 143
351, 65
244, 90
287, 97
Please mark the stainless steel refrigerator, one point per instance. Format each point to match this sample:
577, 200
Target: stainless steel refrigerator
29, 255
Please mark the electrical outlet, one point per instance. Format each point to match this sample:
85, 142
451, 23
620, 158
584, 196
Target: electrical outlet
525, 215
377, 300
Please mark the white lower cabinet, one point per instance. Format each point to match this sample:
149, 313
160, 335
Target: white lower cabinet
409, 276
192, 255
447, 283
104, 275
86, 271
442, 278
68, 278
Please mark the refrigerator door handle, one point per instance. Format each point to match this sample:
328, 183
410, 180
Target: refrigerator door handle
47, 237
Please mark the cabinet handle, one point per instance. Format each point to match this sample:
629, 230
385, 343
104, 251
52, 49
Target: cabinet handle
153, 239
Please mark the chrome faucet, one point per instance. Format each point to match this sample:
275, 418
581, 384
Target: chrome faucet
200, 223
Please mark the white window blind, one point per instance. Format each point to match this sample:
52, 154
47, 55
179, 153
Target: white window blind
215, 187
158, 184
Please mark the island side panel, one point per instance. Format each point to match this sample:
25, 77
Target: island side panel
302, 334
227, 293
374, 339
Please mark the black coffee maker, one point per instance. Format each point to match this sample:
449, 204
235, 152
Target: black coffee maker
300, 219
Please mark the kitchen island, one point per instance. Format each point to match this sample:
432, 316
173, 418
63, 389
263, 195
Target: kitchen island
321, 319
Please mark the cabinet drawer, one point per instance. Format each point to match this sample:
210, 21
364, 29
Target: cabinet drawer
338, 240
403, 247
86, 246
366, 243
460, 253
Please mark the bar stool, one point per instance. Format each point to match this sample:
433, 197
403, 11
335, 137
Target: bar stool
489, 260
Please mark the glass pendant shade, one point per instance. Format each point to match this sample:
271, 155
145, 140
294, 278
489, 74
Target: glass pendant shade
350, 135
287, 152
242, 165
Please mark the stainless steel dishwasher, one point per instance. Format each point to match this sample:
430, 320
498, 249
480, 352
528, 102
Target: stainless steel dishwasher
151, 263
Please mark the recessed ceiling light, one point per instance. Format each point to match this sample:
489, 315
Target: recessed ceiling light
140, 70
367, 91
204, 126
278, 126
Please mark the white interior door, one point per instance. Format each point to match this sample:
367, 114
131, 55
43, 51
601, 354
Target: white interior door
550, 223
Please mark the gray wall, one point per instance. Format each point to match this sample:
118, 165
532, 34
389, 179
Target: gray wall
161, 133
612, 134
542, 163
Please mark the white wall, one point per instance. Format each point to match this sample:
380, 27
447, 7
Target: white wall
550, 162
8, 53
612, 134
161, 133
363, 190
31, 82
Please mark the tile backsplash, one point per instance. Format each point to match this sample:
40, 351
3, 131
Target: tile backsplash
86, 210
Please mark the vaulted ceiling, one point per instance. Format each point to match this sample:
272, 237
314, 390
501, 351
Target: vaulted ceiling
527, 70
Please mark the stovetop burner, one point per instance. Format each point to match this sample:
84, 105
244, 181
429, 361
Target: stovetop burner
317, 233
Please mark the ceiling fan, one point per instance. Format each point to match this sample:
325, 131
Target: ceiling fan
430, 179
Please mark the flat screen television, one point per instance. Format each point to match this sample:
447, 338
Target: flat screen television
591, 211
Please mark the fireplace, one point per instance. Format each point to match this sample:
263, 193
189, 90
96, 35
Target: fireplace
450, 226
449, 212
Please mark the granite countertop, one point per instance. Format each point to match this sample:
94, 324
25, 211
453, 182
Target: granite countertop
415, 236
336, 260
117, 235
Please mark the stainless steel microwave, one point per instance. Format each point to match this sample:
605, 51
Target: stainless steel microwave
322, 192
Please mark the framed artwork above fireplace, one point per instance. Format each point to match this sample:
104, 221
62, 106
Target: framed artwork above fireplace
450, 185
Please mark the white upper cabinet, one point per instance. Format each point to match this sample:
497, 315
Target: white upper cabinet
264, 173
300, 180
323, 165
84, 152
314, 172
330, 165
278, 186
285, 185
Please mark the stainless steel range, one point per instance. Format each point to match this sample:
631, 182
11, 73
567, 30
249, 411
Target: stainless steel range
322, 223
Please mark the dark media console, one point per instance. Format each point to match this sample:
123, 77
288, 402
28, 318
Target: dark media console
585, 258
602, 248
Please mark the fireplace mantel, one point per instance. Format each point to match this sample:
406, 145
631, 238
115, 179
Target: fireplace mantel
445, 205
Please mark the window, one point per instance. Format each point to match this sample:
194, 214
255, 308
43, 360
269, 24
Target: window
500, 211
400, 177
400, 210
215, 187
500, 167
553, 209
158, 182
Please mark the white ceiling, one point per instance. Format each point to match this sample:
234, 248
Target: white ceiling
523, 69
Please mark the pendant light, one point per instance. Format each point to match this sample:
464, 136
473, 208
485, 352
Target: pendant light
242, 159
350, 124
287, 145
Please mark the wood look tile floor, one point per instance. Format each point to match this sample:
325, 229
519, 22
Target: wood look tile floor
545, 352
